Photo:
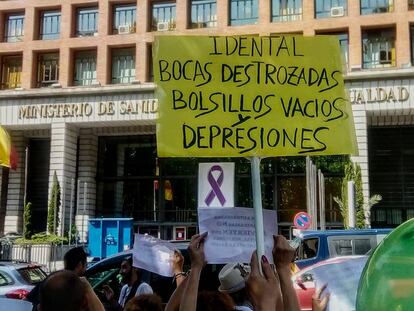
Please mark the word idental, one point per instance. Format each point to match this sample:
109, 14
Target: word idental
304, 140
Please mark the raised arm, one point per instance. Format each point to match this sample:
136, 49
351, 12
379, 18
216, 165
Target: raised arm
283, 255
196, 250
264, 290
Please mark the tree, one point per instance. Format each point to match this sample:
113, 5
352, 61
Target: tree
352, 172
27, 222
54, 204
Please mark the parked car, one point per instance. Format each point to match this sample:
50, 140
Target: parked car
341, 274
18, 279
106, 272
315, 246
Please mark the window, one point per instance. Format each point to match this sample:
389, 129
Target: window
243, 12
412, 44
32, 275
150, 64
376, 6
123, 65
286, 10
411, 4
309, 248
87, 22
331, 8
11, 71
49, 25
163, 16
203, 13
348, 246
5, 279
124, 19
343, 45
48, 69
378, 48
85, 68
14, 27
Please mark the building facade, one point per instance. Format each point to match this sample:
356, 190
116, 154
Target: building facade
77, 94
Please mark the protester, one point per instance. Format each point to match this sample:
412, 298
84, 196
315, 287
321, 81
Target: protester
264, 290
214, 301
232, 279
283, 256
65, 291
74, 260
133, 287
146, 302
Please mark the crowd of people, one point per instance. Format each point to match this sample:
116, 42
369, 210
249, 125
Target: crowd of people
242, 287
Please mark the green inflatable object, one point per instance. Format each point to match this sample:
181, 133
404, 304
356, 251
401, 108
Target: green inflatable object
387, 281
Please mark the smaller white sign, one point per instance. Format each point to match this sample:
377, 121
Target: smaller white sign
153, 254
232, 235
216, 184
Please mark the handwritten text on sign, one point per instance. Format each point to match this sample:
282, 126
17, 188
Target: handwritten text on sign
251, 96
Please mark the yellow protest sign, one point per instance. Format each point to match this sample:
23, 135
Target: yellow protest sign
251, 96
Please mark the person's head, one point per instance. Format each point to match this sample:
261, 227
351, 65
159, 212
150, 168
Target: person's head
232, 278
75, 260
62, 291
150, 302
213, 301
127, 271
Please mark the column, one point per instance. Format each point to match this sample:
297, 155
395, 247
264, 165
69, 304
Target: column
360, 120
88, 162
223, 14
181, 15
13, 221
355, 47
63, 149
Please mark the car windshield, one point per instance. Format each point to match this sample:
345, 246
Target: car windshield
32, 275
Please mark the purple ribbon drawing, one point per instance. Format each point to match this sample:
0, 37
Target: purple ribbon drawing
215, 186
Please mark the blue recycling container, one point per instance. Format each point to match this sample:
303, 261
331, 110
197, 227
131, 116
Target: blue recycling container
108, 236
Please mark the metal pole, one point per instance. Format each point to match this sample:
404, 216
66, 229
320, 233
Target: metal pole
258, 213
72, 194
308, 208
62, 231
77, 206
26, 174
351, 204
315, 197
321, 180
85, 192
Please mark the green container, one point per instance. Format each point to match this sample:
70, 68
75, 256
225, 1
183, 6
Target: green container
387, 282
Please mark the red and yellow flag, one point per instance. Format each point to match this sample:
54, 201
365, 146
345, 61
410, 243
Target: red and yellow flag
5, 148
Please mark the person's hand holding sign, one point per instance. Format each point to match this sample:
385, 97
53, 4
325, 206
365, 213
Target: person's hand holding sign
196, 251
264, 290
283, 256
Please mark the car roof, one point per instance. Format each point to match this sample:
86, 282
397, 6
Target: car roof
331, 261
17, 264
311, 233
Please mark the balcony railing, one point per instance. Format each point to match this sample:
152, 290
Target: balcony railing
178, 216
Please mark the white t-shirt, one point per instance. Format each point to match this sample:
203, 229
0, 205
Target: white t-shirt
142, 289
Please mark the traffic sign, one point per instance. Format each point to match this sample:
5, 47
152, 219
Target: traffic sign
302, 221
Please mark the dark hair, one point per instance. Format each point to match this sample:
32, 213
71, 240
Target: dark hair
148, 302
73, 257
213, 301
62, 291
239, 297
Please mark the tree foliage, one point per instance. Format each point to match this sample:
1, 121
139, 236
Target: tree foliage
352, 172
27, 221
53, 209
